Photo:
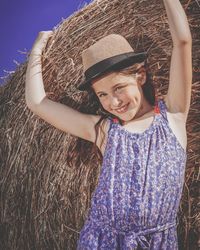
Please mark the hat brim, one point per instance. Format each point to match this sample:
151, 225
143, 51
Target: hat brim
112, 64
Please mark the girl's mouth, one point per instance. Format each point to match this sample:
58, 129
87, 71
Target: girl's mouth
122, 109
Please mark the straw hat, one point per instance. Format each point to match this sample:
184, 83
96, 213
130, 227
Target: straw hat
109, 53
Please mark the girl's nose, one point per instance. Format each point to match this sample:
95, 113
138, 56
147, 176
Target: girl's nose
115, 102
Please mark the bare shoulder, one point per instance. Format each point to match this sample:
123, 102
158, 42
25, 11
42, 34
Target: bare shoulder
177, 122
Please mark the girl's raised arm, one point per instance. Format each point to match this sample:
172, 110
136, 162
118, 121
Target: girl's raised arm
55, 113
180, 80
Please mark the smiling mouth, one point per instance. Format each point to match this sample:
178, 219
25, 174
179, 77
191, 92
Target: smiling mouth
122, 109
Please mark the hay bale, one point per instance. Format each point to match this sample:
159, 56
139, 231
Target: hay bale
44, 202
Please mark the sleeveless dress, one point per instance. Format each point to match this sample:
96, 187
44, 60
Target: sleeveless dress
136, 201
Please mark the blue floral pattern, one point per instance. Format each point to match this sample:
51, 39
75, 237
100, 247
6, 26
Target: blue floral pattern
136, 201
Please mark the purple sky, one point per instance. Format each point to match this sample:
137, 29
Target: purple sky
21, 21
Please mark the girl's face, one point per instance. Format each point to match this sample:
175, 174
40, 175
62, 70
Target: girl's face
120, 95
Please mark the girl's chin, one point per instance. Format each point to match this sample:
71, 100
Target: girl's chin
128, 116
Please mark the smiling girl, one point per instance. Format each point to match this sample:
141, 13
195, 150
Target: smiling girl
142, 139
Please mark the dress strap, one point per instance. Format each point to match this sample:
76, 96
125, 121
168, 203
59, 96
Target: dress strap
163, 108
156, 108
110, 122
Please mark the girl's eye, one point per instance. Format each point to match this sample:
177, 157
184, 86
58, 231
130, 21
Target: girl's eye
118, 88
101, 95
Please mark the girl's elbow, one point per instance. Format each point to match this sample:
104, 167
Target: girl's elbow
29, 104
186, 41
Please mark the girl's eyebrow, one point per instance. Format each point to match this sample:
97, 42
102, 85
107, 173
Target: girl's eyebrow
112, 87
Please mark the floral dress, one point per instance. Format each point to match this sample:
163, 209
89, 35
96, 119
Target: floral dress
136, 201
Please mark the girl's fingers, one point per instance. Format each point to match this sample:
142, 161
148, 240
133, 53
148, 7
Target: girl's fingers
44, 35
42, 39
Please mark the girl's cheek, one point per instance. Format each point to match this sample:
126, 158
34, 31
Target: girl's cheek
104, 104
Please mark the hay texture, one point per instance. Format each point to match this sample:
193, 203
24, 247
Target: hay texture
43, 202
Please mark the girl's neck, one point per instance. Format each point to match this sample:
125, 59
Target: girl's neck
144, 109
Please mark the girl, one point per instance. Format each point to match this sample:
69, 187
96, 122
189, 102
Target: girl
142, 141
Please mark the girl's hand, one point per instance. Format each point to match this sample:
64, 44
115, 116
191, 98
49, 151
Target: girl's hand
41, 41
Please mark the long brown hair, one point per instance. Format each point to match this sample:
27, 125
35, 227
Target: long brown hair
83, 151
